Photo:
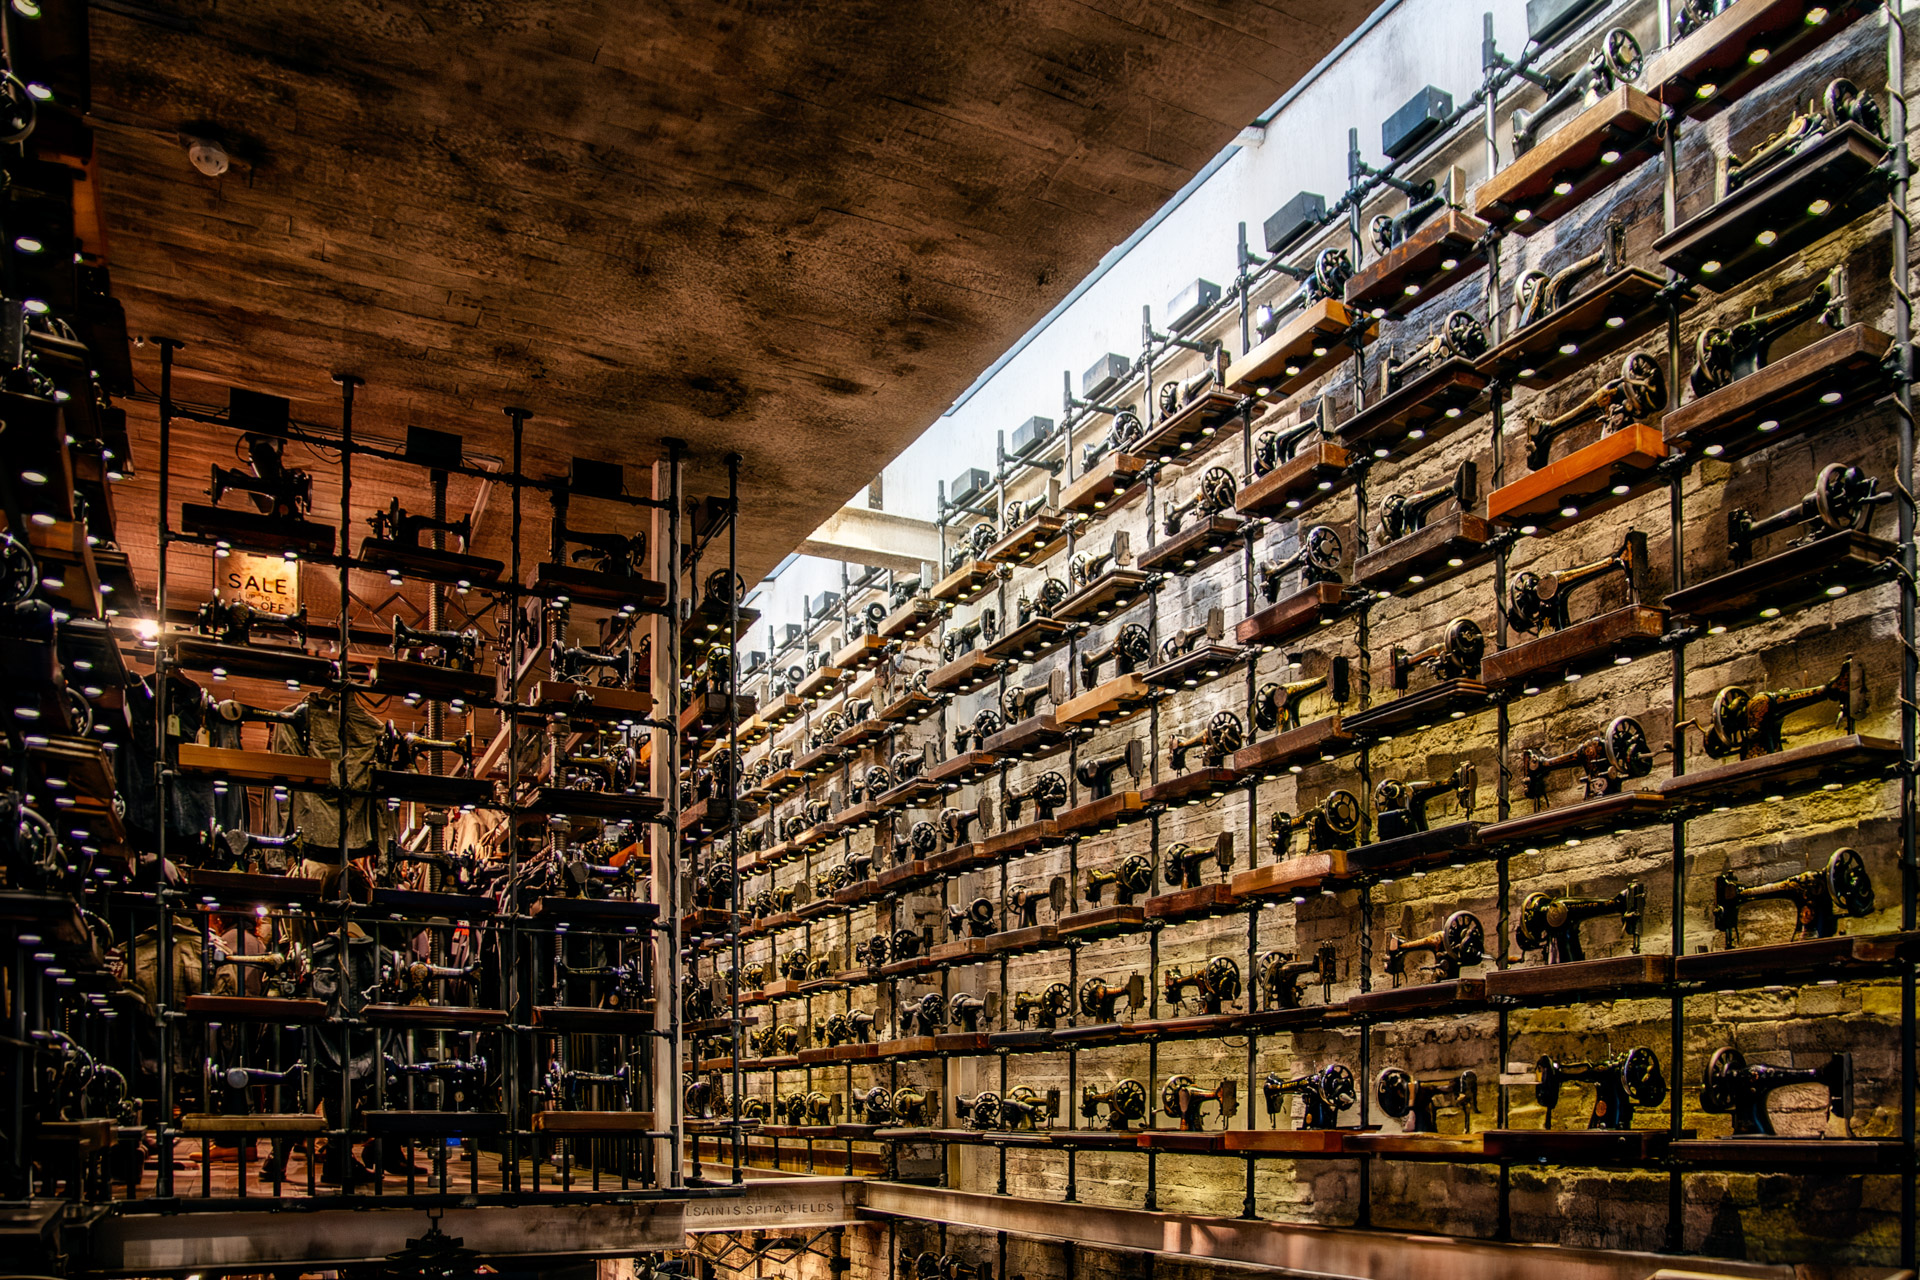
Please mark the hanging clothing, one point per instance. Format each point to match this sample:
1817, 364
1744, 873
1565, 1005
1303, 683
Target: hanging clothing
192, 804
369, 822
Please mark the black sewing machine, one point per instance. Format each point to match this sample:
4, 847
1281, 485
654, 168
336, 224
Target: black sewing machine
1550, 923
1620, 1083
1454, 656
1460, 336
1333, 823
1283, 977
1820, 897
1400, 805
1843, 498
396, 525
1459, 943
1214, 983
1277, 705
233, 621
1640, 390
454, 650
1537, 602
1097, 774
1606, 760
1405, 513
1125, 1103
1416, 1103
1317, 558
1615, 61
1182, 1099
1182, 868
1100, 1001
1843, 103
1324, 1095
1732, 1087
1130, 649
1751, 724
1222, 736
1130, 879
278, 491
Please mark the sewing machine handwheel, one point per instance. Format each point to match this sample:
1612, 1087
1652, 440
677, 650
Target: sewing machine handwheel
1640, 1073
1171, 1091
1835, 494
1465, 335
1341, 812
923, 837
1623, 54
982, 536
19, 575
1136, 873
1462, 938
987, 723
1844, 101
1465, 639
1848, 883
980, 912
1531, 285
1225, 733
1323, 547
1726, 1070
1712, 360
1380, 232
1644, 382
1332, 268
1129, 1099
1628, 753
984, 1111
1217, 489
1050, 790
1126, 429
1223, 978
1133, 643
1337, 1086
1729, 715
1393, 1090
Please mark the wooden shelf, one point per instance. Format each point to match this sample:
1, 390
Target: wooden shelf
1031, 543
1291, 878
262, 767
1298, 614
819, 684
379, 555
864, 652
1192, 787
287, 1011
1179, 437
967, 583
1422, 412
964, 674
597, 703
1111, 593
1601, 815
250, 887
1588, 481
1443, 251
1818, 765
1029, 739
961, 768
1581, 649
1105, 921
1797, 393
1306, 347
1196, 667
1720, 248
1459, 993
909, 709
256, 531
1454, 843
1601, 319
1776, 1154
1036, 639
1716, 66
1106, 703
910, 621
1608, 977
609, 805
1113, 481
1203, 903
589, 587
451, 1017
425, 788
1448, 700
1311, 476
1587, 154
1198, 545
1810, 959
1448, 545
1115, 810
1576, 1146
257, 662
1324, 739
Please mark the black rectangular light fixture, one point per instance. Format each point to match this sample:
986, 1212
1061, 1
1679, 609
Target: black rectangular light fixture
1548, 18
1294, 219
1106, 371
967, 486
1414, 123
1191, 303
1030, 435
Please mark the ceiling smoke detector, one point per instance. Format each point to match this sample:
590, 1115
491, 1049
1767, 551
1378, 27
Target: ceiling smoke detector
208, 156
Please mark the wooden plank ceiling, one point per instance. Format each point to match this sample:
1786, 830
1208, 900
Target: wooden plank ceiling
796, 230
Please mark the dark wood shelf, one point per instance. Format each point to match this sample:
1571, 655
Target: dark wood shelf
1596, 322
1601, 815
967, 583
1720, 248
1106, 703
1422, 412
910, 621
1572, 163
1108, 595
861, 653
1032, 641
1178, 437
908, 709
1192, 787
1315, 473
1797, 393
1311, 743
1808, 959
1298, 614
1032, 542
964, 674
1603, 978
1113, 481
1195, 667
961, 768
1115, 810
380, 555
1576, 1146
1203, 903
1201, 543
1457, 842
1291, 877
606, 1022
1776, 1154
289, 1011
1442, 252
425, 788
1029, 739
590, 587
1447, 546
451, 1017
612, 806
1740, 48
258, 662
1817, 765
1106, 921
1448, 700
1581, 649
1459, 993
255, 530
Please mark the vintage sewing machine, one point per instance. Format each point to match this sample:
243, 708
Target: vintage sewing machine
912, 1105
977, 919
1538, 294
570, 664
812, 1108
1454, 656
1843, 498
396, 750
1416, 1103
1100, 1001
986, 722
453, 650
234, 621
1223, 735
1045, 1009
1326, 278
873, 1106
1458, 943
1750, 724
1130, 649
1187, 639
1283, 977
1640, 390
1132, 878
1317, 558
601, 763
923, 838
1615, 61
617, 555
1334, 823
854, 1027
1277, 705
566, 1087
1175, 395
278, 491
1023, 1107
1550, 923
396, 525
1460, 336
1213, 984
1843, 103
1026, 901
411, 982
1019, 701
1400, 805
1271, 449
1051, 595
1724, 354
1405, 513
459, 1081
231, 849
1087, 567
1606, 761
968, 1011
282, 971
238, 1079
778, 1041
1047, 793
970, 636
970, 548
1125, 1104
1425, 198
923, 1015
1182, 868
1183, 1100
1537, 602
1097, 774
1125, 431
1820, 897
1214, 495
1620, 1083
294, 717
1731, 1087
1323, 1095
